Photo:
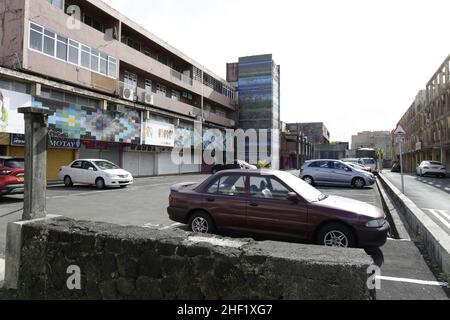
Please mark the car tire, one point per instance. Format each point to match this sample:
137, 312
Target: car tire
358, 183
201, 222
68, 182
336, 235
309, 180
100, 183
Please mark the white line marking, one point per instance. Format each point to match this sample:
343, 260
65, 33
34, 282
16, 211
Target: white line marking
151, 225
391, 239
426, 283
437, 214
2, 270
174, 225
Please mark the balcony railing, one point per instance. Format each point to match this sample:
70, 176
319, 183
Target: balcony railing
180, 76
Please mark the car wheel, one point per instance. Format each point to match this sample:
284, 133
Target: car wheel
336, 235
359, 183
201, 222
309, 180
100, 183
68, 181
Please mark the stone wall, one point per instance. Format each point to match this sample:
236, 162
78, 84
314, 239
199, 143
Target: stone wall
136, 263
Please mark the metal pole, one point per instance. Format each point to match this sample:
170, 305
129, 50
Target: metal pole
401, 163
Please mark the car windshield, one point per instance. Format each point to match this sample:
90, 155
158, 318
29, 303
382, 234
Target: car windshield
436, 163
105, 165
15, 163
308, 192
369, 161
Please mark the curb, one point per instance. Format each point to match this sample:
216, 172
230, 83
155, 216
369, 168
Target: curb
421, 227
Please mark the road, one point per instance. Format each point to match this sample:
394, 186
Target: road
144, 204
430, 194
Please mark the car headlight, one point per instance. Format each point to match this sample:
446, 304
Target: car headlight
112, 175
375, 223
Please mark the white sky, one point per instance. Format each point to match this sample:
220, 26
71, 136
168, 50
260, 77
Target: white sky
353, 64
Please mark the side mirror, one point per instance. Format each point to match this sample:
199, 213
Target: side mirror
292, 196
91, 169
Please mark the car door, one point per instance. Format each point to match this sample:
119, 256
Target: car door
226, 199
76, 172
324, 173
89, 172
340, 174
319, 171
270, 212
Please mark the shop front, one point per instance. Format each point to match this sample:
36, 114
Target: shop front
139, 160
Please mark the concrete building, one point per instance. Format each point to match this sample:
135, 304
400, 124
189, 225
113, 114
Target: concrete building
110, 82
316, 132
427, 122
374, 139
295, 149
258, 89
336, 150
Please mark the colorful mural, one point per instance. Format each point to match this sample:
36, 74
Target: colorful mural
92, 123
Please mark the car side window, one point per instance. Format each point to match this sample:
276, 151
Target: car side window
231, 185
267, 188
339, 166
87, 165
77, 165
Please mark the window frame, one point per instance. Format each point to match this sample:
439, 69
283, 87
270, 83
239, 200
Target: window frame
219, 179
271, 177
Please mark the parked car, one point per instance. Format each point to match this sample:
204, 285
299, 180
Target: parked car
358, 166
272, 203
396, 167
354, 160
431, 168
371, 163
335, 172
238, 164
100, 173
12, 174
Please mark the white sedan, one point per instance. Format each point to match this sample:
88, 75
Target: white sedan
100, 173
431, 167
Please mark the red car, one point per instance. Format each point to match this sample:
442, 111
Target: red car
273, 204
12, 175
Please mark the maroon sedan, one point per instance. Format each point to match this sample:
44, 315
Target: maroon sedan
273, 204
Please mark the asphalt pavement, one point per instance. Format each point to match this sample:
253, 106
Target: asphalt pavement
430, 194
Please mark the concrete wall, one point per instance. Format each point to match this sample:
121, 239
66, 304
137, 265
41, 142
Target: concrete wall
137, 263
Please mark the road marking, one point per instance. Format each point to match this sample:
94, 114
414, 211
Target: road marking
406, 280
391, 239
151, 225
441, 215
2, 270
174, 225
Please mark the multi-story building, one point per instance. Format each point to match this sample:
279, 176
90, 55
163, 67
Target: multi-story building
427, 122
258, 86
335, 150
110, 83
316, 132
374, 139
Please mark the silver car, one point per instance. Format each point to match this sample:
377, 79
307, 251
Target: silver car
335, 172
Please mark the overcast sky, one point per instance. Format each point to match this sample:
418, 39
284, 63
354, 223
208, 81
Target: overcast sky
353, 64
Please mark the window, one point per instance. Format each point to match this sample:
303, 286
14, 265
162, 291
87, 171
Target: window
77, 165
56, 3
103, 63
95, 60
87, 165
85, 57
112, 67
130, 79
176, 95
161, 90
49, 43
233, 185
61, 48
148, 85
268, 188
74, 51
36, 37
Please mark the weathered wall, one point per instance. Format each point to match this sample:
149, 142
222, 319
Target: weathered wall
11, 32
137, 263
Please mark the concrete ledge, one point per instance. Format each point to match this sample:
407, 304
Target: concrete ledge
421, 227
13, 250
117, 262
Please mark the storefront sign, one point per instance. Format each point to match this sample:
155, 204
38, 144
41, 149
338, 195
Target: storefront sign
155, 133
17, 140
10, 120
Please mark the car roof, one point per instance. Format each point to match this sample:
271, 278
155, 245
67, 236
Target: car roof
260, 171
92, 160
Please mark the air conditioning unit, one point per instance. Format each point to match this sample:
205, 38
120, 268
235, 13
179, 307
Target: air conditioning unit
128, 93
147, 98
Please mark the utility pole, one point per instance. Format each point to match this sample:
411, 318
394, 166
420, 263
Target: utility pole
400, 132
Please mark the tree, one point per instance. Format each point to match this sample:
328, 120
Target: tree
380, 157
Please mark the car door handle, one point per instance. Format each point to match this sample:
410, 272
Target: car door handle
210, 199
253, 204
